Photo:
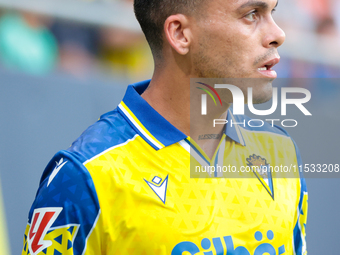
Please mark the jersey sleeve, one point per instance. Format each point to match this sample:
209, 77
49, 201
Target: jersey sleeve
300, 244
65, 211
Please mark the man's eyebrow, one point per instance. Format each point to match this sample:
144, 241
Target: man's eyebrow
255, 4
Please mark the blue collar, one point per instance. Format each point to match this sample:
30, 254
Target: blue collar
148, 123
234, 131
153, 127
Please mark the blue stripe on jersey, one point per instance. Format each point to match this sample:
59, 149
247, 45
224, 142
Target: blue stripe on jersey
216, 161
297, 229
230, 130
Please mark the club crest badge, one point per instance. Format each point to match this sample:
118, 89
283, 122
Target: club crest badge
261, 169
259, 165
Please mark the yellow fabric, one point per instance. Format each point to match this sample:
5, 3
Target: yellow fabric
4, 247
197, 210
61, 244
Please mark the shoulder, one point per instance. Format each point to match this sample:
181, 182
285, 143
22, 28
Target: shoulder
109, 131
67, 199
66, 181
66, 171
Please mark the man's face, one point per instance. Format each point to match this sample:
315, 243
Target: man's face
237, 39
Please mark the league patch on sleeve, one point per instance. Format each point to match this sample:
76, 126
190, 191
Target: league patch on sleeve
42, 220
41, 238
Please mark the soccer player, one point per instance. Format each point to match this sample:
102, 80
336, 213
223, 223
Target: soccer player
124, 185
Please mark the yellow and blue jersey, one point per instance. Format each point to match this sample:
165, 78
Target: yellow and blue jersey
125, 187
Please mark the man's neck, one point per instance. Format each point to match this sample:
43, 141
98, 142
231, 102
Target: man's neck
170, 96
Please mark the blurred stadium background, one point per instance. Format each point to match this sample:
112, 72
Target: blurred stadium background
64, 63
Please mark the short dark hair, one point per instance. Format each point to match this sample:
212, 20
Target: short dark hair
151, 15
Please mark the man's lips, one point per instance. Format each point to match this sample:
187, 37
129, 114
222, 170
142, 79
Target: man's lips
269, 64
266, 68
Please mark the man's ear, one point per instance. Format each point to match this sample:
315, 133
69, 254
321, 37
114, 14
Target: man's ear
178, 33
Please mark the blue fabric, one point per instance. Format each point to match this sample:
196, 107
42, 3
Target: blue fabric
109, 131
156, 124
73, 190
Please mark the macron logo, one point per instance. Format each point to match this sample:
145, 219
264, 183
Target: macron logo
55, 171
159, 187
